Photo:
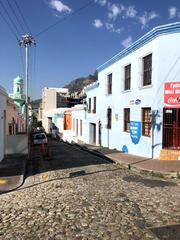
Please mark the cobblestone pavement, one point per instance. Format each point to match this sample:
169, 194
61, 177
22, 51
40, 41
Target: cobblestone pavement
99, 201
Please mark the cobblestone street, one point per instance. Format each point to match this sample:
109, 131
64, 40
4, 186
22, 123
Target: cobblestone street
98, 200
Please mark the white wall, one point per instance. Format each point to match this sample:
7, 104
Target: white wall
165, 67
93, 90
78, 113
3, 98
17, 144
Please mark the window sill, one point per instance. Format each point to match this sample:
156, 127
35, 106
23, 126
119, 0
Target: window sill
126, 91
146, 87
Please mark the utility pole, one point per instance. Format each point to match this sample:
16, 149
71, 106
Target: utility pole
27, 41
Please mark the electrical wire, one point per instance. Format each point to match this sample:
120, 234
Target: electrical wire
65, 18
11, 29
22, 16
10, 19
17, 18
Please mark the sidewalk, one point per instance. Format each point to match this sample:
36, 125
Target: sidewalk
12, 170
162, 168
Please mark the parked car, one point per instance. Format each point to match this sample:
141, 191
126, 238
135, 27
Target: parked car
39, 138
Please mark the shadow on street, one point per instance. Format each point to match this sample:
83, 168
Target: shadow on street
60, 156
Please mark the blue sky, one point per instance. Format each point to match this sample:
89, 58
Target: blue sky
77, 46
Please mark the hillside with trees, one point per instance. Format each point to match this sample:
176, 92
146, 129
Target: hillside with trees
78, 84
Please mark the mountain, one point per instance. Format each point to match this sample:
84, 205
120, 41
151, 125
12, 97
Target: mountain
35, 104
78, 84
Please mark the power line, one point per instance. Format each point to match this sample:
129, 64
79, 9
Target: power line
11, 29
17, 19
65, 18
22, 16
10, 19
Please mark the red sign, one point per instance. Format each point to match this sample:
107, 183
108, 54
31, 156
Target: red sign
172, 94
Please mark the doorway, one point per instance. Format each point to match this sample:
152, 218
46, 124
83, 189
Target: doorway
171, 128
93, 133
100, 127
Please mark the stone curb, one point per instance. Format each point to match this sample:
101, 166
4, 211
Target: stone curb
144, 171
136, 169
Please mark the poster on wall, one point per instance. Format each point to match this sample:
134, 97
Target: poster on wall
135, 131
172, 94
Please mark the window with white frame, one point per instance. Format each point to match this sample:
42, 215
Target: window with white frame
81, 128
109, 83
77, 127
127, 119
127, 77
89, 105
147, 70
146, 122
109, 118
94, 108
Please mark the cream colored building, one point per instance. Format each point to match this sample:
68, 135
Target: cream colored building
51, 99
40, 112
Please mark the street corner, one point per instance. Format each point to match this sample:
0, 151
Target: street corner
3, 182
10, 183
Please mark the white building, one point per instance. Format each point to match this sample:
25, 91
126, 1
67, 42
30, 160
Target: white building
126, 108
79, 129
3, 104
94, 115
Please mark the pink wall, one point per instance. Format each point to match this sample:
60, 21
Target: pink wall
11, 113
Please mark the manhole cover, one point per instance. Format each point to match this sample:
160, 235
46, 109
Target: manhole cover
171, 232
148, 182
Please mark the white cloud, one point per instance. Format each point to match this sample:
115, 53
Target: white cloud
172, 12
59, 6
153, 15
110, 27
97, 23
147, 17
115, 10
131, 12
127, 42
101, 2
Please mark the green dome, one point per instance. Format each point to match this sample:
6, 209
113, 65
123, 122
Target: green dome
18, 80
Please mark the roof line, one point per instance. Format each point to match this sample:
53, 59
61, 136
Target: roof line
154, 33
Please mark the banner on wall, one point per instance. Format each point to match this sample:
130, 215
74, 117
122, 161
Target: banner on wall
172, 94
135, 131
